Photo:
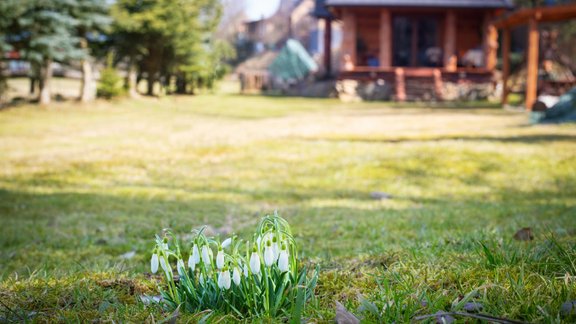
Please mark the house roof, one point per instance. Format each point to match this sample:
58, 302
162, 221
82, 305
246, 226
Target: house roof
421, 3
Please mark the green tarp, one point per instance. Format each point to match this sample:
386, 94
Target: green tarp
293, 62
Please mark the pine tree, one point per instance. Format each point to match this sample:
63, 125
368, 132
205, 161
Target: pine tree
173, 37
9, 10
48, 29
92, 21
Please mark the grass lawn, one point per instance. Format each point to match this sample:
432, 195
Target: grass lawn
82, 186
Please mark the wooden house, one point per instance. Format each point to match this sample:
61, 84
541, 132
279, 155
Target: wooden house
416, 44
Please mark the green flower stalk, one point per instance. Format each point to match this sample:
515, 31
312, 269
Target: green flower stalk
263, 281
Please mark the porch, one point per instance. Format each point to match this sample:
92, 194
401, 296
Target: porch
432, 45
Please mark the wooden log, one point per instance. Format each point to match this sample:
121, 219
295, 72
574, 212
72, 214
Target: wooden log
414, 44
450, 60
438, 84
400, 84
532, 63
385, 38
328, 46
490, 42
505, 64
349, 39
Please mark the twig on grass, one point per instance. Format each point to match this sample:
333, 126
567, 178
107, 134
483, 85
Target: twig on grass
485, 317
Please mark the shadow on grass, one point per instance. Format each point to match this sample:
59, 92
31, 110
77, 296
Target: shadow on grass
524, 139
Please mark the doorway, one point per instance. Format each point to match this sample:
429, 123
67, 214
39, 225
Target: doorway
416, 41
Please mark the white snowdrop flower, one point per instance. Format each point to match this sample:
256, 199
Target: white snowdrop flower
258, 241
163, 264
275, 248
255, 262
206, 255
220, 259
236, 276
283, 261
245, 270
195, 254
268, 254
226, 243
180, 267
154, 262
191, 263
224, 279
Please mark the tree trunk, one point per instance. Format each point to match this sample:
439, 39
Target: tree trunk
150, 85
45, 78
132, 80
87, 92
34, 76
181, 84
32, 85
3, 84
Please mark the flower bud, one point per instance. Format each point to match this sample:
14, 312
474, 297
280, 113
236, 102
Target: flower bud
220, 259
195, 254
255, 263
226, 243
206, 255
154, 262
283, 261
180, 267
236, 276
268, 255
224, 279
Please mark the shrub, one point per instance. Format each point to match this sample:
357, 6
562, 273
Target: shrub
110, 85
247, 279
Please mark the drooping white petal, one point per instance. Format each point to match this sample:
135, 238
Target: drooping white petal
180, 267
268, 256
236, 276
226, 242
154, 263
245, 270
206, 255
195, 254
163, 264
191, 263
220, 259
275, 251
166, 267
283, 261
255, 263
227, 281
224, 279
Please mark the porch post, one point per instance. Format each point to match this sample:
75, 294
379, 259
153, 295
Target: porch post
349, 39
450, 59
490, 43
385, 38
532, 62
505, 64
328, 46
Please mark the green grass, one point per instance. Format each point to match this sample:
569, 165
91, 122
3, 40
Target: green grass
82, 185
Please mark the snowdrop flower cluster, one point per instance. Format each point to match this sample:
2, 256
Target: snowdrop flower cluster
246, 278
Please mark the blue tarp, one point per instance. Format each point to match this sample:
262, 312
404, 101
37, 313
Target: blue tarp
564, 110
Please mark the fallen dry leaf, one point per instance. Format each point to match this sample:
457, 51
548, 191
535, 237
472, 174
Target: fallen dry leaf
524, 234
343, 316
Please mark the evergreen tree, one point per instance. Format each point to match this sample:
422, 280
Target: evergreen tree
172, 37
48, 29
92, 21
9, 10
